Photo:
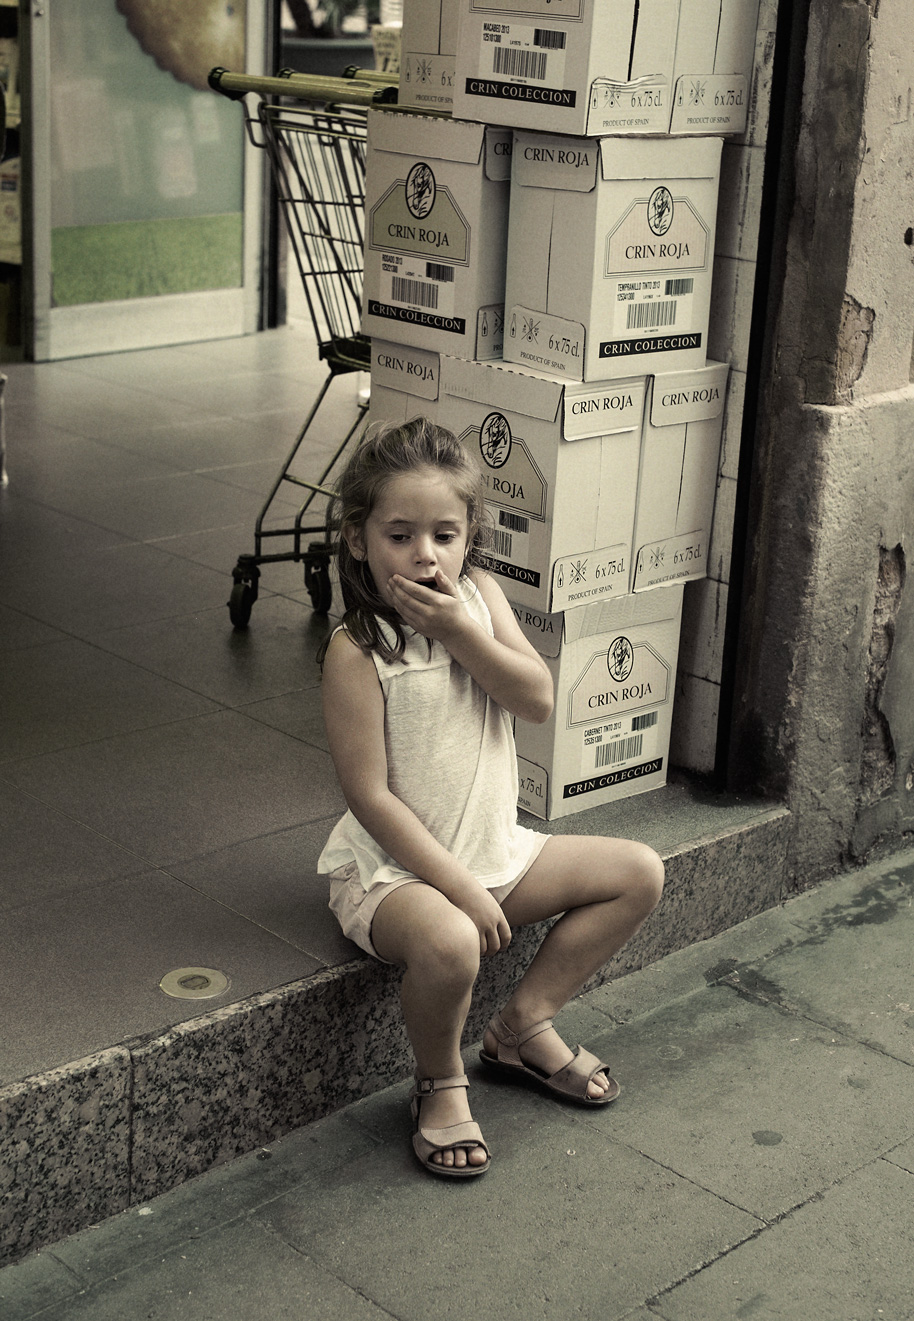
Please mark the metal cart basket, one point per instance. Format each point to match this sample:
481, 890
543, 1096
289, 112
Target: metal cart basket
316, 150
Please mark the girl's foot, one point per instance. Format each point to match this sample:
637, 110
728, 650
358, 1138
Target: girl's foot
545, 1054
440, 1107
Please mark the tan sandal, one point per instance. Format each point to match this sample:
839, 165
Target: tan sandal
569, 1082
428, 1141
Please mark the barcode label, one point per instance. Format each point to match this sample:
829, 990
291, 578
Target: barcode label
513, 522
644, 722
676, 288
519, 63
435, 271
650, 316
610, 754
502, 542
413, 291
548, 40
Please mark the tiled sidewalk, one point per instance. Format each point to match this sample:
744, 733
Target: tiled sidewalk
759, 1163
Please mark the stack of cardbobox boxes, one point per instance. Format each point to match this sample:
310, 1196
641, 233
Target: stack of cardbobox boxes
538, 266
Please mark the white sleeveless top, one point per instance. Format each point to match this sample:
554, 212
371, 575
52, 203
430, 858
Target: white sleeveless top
451, 759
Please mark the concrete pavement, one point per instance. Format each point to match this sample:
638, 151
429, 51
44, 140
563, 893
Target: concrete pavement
758, 1164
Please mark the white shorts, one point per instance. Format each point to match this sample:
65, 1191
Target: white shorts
354, 907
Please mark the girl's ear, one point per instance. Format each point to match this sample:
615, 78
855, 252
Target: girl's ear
354, 540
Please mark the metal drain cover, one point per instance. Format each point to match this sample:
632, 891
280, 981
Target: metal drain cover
194, 983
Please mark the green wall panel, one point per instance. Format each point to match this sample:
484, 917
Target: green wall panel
145, 258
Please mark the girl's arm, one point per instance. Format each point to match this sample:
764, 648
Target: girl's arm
505, 666
353, 706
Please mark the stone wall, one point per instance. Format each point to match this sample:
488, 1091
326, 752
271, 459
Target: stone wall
824, 706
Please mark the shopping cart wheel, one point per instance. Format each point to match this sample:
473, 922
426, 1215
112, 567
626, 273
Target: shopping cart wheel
317, 580
243, 595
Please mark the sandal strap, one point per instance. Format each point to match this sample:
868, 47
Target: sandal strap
467, 1134
572, 1080
429, 1086
534, 1031
512, 1041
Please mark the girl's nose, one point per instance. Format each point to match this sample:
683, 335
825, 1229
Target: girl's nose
425, 551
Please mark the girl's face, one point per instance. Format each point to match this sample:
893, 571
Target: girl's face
418, 526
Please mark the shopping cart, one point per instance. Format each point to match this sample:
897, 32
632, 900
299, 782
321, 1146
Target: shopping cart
316, 150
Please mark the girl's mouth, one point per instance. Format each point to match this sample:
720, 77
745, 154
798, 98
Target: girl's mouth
428, 582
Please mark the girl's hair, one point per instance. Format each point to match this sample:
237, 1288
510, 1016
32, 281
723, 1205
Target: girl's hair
384, 452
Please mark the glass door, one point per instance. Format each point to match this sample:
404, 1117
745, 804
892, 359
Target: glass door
145, 194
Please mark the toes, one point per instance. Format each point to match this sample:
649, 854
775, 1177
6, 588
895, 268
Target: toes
598, 1086
459, 1158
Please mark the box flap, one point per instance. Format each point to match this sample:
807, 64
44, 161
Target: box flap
603, 408
437, 137
659, 158
542, 629
710, 100
555, 344
621, 612
410, 370
499, 150
691, 396
503, 387
544, 161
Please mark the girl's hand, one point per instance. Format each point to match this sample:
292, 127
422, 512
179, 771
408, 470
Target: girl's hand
434, 611
490, 921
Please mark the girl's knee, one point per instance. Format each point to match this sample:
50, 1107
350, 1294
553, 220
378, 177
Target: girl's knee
647, 875
449, 952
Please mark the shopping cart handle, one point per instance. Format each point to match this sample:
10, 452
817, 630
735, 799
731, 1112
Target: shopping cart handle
304, 87
376, 76
355, 86
215, 80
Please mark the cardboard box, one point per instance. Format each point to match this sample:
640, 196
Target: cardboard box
610, 254
607, 66
680, 456
560, 462
436, 206
428, 51
614, 669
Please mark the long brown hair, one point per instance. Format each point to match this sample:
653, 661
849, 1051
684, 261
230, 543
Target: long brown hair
386, 451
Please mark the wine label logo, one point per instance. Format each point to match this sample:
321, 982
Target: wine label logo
420, 190
495, 440
660, 211
619, 659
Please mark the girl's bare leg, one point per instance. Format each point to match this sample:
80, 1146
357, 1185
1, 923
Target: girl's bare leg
604, 888
438, 946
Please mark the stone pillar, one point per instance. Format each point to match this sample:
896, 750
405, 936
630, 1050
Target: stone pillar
823, 712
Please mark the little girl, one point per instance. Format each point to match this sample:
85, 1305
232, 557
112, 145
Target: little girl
429, 868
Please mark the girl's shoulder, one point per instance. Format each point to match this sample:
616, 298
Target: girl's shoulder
356, 651
347, 671
343, 650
